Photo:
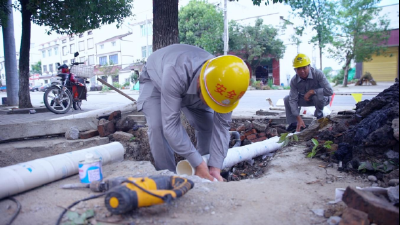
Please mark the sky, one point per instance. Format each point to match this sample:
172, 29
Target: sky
143, 8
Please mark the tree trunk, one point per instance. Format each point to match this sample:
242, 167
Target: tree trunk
346, 72
24, 94
320, 57
165, 23
10, 58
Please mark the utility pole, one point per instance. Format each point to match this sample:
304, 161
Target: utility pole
10, 58
226, 28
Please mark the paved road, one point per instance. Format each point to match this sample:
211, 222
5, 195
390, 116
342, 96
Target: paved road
251, 102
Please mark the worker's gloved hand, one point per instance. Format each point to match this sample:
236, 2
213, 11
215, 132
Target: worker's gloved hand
308, 95
300, 124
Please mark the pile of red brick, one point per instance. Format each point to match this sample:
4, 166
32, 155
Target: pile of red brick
252, 132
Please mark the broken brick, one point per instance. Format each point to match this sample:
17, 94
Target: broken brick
241, 128
251, 137
262, 134
260, 139
106, 129
88, 134
354, 217
115, 116
379, 210
250, 132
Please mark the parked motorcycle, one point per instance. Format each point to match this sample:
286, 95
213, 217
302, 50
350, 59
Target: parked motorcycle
59, 98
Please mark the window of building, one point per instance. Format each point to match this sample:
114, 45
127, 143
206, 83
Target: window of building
81, 46
114, 59
72, 61
82, 59
56, 51
43, 54
45, 68
102, 46
65, 62
103, 60
90, 32
90, 43
49, 52
114, 43
146, 29
72, 48
64, 41
51, 68
146, 52
72, 38
115, 78
46, 81
81, 36
65, 50
91, 60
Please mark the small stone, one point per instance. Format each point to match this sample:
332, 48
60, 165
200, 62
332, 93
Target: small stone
392, 154
207, 208
334, 220
213, 213
375, 185
372, 178
394, 182
72, 134
318, 212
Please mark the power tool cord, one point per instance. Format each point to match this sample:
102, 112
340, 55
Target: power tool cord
17, 212
165, 199
75, 203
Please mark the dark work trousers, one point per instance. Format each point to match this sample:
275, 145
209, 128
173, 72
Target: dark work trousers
318, 104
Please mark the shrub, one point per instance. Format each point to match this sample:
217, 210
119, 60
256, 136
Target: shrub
117, 85
257, 85
266, 87
127, 84
105, 88
252, 80
286, 88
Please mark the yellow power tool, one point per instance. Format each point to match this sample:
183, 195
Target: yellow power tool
136, 192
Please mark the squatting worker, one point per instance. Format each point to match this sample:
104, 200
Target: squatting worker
206, 89
308, 88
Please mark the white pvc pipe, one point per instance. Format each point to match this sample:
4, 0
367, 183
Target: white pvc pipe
25, 176
236, 155
101, 112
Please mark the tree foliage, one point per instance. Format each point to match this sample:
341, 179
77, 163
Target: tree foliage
78, 16
202, 24
266, 2
4, 11
320, 16
63, 17
361, 33
256, 44
37, 68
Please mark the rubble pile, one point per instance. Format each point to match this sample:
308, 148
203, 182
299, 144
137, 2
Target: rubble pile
366, 140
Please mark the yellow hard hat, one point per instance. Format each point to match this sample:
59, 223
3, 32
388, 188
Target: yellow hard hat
223, 81
301, 60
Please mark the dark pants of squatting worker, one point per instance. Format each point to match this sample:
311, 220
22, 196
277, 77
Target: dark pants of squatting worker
319, 107
163, 154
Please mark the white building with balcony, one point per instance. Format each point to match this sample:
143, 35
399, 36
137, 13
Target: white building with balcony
114, 53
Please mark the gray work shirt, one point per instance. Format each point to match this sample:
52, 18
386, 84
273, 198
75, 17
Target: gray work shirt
316, 81
174, 71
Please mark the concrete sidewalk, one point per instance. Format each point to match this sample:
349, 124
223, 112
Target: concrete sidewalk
365, 89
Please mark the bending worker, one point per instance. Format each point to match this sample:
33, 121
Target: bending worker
308, 88
206, 89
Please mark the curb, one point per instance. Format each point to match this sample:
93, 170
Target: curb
23, 111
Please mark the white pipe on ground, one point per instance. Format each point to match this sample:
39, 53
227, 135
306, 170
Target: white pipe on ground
102, 112
25, 176
236, 155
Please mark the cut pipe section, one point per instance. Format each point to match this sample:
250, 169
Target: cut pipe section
25, 176
236, 155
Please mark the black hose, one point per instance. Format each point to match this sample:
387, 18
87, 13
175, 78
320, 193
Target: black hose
236, 137
75, 203
17, 212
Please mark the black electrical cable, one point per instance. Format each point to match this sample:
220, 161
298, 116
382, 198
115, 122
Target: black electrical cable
17, 212
75, 203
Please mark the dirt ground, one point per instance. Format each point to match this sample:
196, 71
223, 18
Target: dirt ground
291, 187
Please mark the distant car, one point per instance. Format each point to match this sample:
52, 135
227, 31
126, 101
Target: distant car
3, 88
35, 88
44, 87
